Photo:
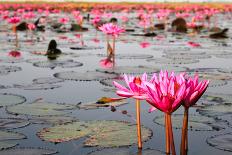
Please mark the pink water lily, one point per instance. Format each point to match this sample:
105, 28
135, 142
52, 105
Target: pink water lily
194, 91
64, 20
166, 93
135, 87
111, 29
193, 44
31, 26
14, 20
145, 44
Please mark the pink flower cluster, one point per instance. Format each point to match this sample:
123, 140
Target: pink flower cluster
64, 20
164, 92
111, 29
14, 20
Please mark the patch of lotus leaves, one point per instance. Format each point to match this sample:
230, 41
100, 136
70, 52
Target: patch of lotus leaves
37, 86
95, 105
216, 79
172, 61
41, 108
186, 56
109, 82
7, 145
189, 52
124, 151
28, 151
222, 142
216, 110
86, 48
6, 138
217, 97
87, 76
13, 123
129, 56
130, 70
98, 133
196, 122
224, 55
47, 80
225, 70
52, 120
58, 63
11, 99
169, 49
4, 70
7, 135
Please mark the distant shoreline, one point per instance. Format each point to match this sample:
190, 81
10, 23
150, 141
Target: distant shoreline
116, 1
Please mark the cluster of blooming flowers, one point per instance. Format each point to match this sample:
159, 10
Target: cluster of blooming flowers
111, 29
164, 92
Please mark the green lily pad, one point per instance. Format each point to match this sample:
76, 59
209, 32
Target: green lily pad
98, 133
47, 80
94, 105
87, 76
217, 97
124, 151
12, 123
11, 99
28, 151
222, 142
41, 108
52, 120
196, 122
186, 56
86, 48
7, 135
216, 110
37, 86
129, 70
6, 145
58, 63
129, 56
4, 70
225, 70
172, 61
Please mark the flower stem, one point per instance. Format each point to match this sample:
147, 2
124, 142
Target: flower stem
171, 135
184, 138
138, 124
167, 135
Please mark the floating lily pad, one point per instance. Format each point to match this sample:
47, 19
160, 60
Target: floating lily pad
109, 82
129, 56
52, 120
4, 87
86, 48
58, 63
4, 70
40, 108
189, 52
187, 56
11, 99
216, 110
217, 97
196, 122
87, 76
37, 86
124, 151
222, 142
225, 70
12, 123
100, 133
130, 70
95, 105
47, 80
28, 151
7, 135
6, 145
172, 61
